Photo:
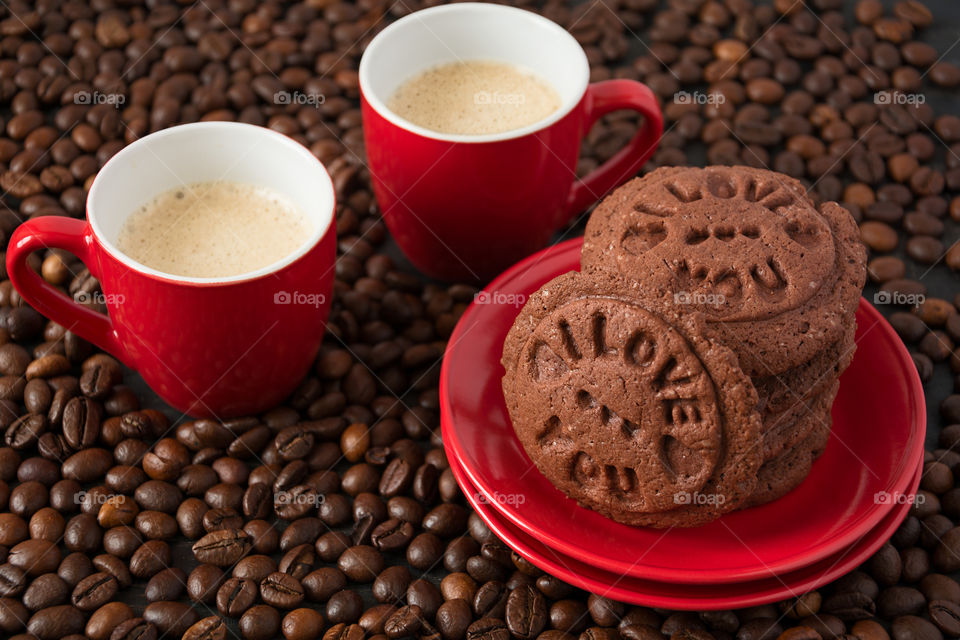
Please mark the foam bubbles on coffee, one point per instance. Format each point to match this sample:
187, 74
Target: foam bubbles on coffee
214, 229
474, 98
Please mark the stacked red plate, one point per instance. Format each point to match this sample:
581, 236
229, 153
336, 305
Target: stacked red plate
856, 495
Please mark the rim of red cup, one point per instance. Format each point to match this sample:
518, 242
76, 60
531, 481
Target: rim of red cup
381, 40
313, 169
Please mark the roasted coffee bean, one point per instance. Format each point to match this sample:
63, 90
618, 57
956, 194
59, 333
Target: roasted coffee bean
56, 622
458, 586
526, 613
45, 591
571, 617
392, 534
405, 621
222, 548
94, 591
203, 583
81, 422
255, 567
426, 483
36, 557
850, 605
257, 501
150, 558
392, 583
235, 596
172, 618
13, 529
25, 431
319, 585
115, 567
294, 442
281, 590
117, 511
260, 622
302, 624
458, 551
913, 627
135, 629
425, 595
106, 619
299, 561
166, 585
446, 520
397, 477
488, 629
404, 508
361, 563
936, 586
484, 569
344, 607
210, 628
425, 551
490, 600
343, 631
453, 618
302, 531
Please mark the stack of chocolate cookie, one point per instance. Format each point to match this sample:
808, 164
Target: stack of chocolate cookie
738, 264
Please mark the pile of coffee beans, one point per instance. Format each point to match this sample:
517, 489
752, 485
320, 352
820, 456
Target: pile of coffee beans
336, 516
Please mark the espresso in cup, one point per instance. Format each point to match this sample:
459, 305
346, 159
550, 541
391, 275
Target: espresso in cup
474, 97
213, 229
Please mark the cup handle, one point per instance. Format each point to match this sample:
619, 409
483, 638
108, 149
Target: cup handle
75, 236
601, 99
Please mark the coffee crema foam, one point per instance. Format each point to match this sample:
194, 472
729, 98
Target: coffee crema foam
474, 98
214, 229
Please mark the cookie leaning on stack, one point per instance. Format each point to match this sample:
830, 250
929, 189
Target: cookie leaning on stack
732, 257
629, 411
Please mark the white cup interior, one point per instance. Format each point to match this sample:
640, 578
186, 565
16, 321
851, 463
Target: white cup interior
208, 151
473, 31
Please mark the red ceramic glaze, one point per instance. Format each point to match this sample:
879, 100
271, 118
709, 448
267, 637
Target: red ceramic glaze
208, 348
466, 207
878, 430
691, 597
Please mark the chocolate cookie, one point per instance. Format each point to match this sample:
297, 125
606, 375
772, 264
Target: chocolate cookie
786, 472
777, 280
781, 432
628, 411
778, 393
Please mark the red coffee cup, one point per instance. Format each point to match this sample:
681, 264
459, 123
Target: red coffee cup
464, 207
213, 347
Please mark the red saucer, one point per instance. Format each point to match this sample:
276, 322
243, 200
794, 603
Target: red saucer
878, 427
686, 596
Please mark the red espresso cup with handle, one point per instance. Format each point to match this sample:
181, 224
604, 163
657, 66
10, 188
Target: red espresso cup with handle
211, 347
465, 207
